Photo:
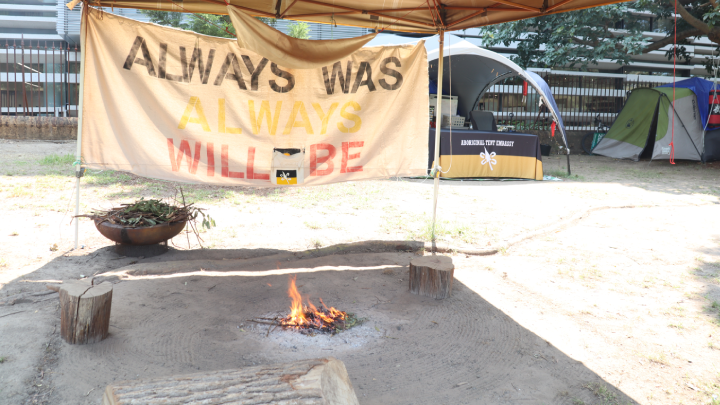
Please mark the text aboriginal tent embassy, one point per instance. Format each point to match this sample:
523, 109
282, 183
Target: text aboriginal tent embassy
427, 16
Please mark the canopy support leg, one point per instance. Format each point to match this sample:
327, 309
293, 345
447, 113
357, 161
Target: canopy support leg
568, 161
79, 169
438, 123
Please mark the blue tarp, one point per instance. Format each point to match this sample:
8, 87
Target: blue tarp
549, 97
701, 88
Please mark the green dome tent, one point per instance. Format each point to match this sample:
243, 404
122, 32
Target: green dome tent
644, 126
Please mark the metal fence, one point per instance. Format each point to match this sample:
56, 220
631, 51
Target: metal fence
39, 78
580, 99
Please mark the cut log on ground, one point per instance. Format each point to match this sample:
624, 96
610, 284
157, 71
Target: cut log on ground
432, 276
307, 382
85, 311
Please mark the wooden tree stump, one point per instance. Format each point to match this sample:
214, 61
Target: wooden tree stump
307, 382
432, 276
85, 311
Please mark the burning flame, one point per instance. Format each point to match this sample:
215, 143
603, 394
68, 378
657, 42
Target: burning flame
309, 316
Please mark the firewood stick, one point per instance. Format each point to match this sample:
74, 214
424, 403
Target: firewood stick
262, 322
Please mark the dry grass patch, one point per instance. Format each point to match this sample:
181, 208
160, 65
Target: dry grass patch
312, 224
658, 358
604, 394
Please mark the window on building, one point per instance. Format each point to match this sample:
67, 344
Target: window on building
644, 23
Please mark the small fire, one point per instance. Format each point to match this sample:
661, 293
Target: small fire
324, 319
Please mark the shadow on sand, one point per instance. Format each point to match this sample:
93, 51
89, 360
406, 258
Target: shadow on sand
410, 350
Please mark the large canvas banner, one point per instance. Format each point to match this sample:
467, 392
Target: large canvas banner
175, 105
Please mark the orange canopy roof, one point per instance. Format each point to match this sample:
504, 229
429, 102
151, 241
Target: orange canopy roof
422, 16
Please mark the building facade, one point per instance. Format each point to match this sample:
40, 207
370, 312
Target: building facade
38, 59
40, 53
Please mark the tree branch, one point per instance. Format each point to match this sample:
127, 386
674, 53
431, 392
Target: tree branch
690, 19
670, 40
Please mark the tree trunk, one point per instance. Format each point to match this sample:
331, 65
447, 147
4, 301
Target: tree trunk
432, 276
307, 382
85, 311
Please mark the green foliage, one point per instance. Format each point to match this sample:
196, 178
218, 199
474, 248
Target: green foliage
201, 194
557, 173
152, 212
269, 21
665, 10
210, 24
165, 18
578, 38
422, 229
601, 391
207, 24
106, 177
299, 30
712, 17
527, 126
350, 321
56, 160
207, 222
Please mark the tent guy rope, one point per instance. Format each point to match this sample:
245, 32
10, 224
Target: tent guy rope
438, 113
79, 169
672, 132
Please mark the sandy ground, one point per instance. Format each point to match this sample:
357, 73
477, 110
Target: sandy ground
616, 300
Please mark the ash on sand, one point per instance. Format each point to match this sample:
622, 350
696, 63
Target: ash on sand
293, 339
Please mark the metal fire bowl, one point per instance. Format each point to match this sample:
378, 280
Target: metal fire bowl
143, 236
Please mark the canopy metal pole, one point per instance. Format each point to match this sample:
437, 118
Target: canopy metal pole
79, 170
568, 161
438, 123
